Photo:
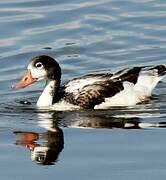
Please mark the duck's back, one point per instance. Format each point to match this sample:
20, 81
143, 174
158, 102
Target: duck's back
135, 83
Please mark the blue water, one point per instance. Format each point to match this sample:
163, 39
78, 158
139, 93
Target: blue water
84, 36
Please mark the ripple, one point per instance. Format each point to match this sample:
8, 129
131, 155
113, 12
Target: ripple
70, 25
84, 36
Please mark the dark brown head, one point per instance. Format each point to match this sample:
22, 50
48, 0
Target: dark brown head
40, 67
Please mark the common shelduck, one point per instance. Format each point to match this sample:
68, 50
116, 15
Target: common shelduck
126, 87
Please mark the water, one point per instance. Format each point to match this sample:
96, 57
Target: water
84, 36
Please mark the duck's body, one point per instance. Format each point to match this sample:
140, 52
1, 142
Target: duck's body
127, 87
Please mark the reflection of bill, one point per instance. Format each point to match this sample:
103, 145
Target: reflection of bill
45, 147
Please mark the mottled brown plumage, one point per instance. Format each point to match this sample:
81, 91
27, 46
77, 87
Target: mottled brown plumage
94, 94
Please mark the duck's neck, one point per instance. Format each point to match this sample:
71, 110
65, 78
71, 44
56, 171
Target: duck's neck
46, 98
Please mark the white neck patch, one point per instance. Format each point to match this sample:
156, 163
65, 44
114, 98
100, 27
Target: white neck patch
46, 98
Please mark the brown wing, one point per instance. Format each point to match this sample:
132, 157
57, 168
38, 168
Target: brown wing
94, 94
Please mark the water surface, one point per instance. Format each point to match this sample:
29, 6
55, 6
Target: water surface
84, 36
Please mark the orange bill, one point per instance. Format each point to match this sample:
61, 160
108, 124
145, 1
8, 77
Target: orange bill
26, 80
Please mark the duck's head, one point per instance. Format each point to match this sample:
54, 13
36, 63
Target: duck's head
40, 67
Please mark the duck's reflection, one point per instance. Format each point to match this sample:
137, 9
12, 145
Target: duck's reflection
99, 121
109, 120
45, 147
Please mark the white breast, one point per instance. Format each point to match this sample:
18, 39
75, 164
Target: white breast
46, 98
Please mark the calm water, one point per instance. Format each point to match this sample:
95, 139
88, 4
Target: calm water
84, 35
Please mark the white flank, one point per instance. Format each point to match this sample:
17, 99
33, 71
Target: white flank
133, 94
127, 97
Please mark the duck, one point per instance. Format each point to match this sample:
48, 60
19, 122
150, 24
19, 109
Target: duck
98, 90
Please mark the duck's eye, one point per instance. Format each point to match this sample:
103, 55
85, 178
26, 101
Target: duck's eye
39, 65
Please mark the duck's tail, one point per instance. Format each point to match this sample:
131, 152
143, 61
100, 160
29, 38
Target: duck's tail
149, 78
160, 70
